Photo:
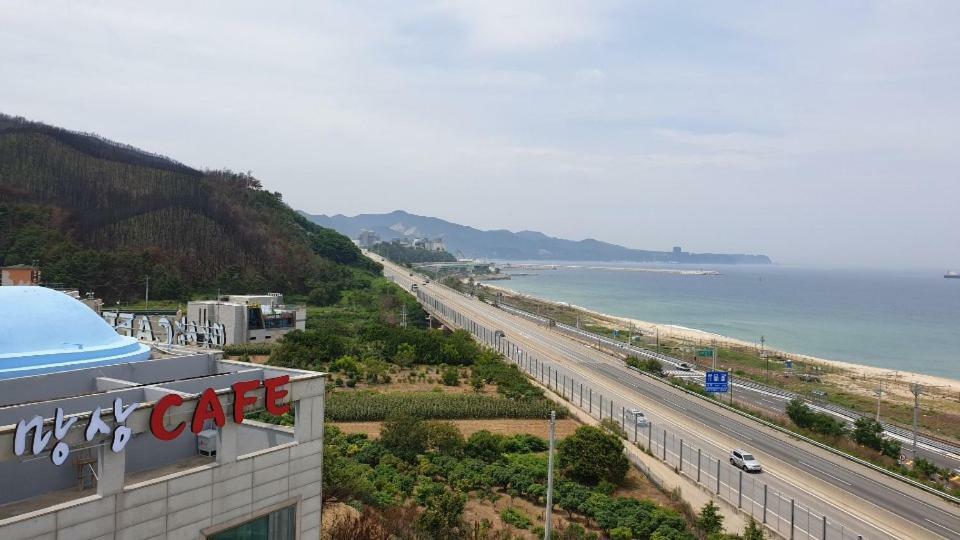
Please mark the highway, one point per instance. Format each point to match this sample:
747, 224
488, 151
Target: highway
766, 398
850, 499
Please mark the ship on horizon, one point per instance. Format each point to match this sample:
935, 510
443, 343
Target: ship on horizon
952, 274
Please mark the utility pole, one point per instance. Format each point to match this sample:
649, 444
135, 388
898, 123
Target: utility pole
548, 521
879, 392
763, 353
714, 356
658, 340
146, 296
917, 389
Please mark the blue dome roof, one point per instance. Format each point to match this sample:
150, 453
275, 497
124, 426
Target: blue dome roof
44, 330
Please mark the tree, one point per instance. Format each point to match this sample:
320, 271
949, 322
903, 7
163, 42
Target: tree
445, 438
405, 436
451, 376
621, 533
592, 454
753, 531
406, 355
484, 446
324, 294
869, 433
442, 518
710, 521
476, 381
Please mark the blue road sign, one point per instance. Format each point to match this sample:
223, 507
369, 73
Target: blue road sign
718, 381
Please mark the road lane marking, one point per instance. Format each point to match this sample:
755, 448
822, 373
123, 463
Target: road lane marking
821, 471
571, 351
944, 527
740, 434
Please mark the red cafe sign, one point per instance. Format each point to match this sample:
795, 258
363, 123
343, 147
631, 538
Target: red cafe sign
209, 408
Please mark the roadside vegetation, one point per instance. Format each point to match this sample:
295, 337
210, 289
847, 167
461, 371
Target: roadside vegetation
421, 478
430, 471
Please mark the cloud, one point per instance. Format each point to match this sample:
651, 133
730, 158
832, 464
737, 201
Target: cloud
528, 25
518, 114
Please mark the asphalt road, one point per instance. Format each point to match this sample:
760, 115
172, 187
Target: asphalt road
939, 452
851, 496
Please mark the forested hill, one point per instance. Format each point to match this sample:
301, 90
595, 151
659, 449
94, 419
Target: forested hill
102, 216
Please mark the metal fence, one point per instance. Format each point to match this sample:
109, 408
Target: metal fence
784, 514
615, 345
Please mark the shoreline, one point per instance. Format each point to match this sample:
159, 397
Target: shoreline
942, 384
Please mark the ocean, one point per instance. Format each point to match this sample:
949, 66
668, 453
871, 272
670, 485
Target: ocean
902, 320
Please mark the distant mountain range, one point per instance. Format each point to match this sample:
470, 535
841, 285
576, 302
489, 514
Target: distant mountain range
503, 244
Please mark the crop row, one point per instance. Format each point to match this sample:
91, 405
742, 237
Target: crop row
374, 406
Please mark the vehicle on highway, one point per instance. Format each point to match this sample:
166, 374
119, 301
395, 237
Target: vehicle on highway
499, 334
426, 281
414, 287
639, 418
745, 461
683, 366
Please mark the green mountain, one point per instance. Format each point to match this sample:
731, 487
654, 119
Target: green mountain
103, 216
522, 245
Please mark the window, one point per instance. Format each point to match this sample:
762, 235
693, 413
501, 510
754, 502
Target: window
277, 525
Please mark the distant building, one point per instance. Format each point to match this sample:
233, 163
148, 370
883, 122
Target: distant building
367, 238
434, 245
249, 318
677, 251
20, 274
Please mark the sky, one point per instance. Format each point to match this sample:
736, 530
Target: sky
816, 132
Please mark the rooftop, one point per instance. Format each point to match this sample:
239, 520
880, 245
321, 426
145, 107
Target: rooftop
47, 331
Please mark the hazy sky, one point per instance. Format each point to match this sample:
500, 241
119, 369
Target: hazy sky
815, 132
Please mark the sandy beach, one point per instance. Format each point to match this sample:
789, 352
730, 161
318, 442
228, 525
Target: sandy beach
898, 381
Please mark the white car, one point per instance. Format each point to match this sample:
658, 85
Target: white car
745, 461
684, 366
638, 417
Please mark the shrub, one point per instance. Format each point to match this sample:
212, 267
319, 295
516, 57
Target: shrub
804, 417
869, 433
647, 364
592, 454
239, 349
516, 517
445, 438
710, 521
484, 445
451, 376
404, 435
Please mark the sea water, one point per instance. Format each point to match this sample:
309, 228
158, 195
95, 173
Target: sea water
902, 320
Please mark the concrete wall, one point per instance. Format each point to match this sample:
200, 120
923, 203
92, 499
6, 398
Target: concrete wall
74, 405
71, 383
232, 316
34, 474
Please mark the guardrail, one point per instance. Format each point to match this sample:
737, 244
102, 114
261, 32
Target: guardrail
849, 414
778, 512
664, 358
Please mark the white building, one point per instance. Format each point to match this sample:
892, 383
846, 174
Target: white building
158, 448
248, 318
